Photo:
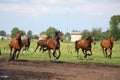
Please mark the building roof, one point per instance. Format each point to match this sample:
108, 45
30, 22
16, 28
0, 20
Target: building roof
76, 33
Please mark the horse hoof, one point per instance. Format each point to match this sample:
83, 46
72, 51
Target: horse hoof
89, 54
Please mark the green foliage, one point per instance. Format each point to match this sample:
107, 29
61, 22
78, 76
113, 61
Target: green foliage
2, 33
29, 33
67, 37
85, 34
14, 31
23, 32
35, 37
97, 32
51, 31
114, 26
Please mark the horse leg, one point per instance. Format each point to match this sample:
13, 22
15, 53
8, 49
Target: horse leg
85, 54
90, 53
14, 55
54, 52
77, 50
49, 52
10, 51
36, 48
103, 51
59, 54
106, 52
41, 48
18, 54
23, 48
28, 47
110, 53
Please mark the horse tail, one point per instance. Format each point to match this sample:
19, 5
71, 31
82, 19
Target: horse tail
76, 48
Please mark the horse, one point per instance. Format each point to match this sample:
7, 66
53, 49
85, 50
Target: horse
54, 44
107, 44
26, 43
42, 44
16, 44
85, 45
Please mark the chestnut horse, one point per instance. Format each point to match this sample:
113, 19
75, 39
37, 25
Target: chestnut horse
85, 45
26, 43
16, 44
54, 44
107, 44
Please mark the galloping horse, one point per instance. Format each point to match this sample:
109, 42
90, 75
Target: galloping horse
54, 43
85, 45
42, 44
16, 44
26, 43
107, 44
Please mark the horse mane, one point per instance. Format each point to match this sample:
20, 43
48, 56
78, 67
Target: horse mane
56, 33
88, 38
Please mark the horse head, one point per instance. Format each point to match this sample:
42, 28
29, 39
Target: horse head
18, 35
91, 39
59, 35
111, 38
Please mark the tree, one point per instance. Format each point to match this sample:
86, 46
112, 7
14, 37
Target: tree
2, 33
22, 32
97, 33
115, 26
85, 34
35, 37
14, 31
67, 36
106, 34
29, 33
43, 32
51, 31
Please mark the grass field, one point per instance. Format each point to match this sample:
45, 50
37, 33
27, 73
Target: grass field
68, 53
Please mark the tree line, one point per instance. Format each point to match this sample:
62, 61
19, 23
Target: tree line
114, 29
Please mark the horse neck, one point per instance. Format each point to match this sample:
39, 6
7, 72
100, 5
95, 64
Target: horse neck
89, 40
111, 42
57, 39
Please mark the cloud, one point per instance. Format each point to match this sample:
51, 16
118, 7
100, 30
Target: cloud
40, 7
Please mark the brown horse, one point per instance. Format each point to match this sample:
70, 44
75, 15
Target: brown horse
16, 44
85, 45
26, 43
42, 44
107, 44
54, 44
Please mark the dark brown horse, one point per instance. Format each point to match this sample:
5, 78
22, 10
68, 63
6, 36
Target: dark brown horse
107, 44
54, 44
26, 43
16, 44
85, 45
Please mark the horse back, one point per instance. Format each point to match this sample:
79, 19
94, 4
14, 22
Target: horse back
84, 44
42, 43
106, 44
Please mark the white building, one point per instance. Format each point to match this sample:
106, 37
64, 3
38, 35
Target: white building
75, 36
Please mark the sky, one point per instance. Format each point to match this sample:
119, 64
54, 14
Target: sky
64, 15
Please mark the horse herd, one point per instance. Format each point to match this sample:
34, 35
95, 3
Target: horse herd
50, 43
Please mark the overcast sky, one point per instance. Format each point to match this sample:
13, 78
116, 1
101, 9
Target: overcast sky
64, 15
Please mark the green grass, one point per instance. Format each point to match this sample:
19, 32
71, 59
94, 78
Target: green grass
67, 53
